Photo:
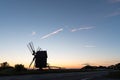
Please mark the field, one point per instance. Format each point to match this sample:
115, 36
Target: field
10, 72
61, 74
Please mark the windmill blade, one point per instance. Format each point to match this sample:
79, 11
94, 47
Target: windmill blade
32, 46
29, 49
38, 49
31, 62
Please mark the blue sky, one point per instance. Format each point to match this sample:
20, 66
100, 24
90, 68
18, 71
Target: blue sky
74, 32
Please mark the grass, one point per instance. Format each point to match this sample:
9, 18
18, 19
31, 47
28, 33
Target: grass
11, 72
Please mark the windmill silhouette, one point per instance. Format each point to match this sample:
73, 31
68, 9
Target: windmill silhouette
40, 56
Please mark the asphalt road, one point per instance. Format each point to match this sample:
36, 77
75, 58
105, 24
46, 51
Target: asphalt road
59, 76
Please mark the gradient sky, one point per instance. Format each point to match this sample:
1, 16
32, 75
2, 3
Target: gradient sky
74, 32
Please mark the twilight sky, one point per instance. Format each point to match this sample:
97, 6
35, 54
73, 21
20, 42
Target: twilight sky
74, 32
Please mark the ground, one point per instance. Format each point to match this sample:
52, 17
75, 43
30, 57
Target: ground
98, 75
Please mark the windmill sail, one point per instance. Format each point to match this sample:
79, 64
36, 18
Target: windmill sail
31, 48
31, 62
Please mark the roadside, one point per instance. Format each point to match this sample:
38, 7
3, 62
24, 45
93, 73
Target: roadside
113, 75
96, 75
57, 76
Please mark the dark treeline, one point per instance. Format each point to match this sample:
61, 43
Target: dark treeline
6, 66
20, 67
113, 67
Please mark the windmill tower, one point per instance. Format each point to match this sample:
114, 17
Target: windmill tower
40, 57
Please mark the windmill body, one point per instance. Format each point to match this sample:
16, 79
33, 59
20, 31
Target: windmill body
41, 59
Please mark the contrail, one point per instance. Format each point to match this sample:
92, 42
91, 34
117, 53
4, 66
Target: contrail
53, 33
82, 28
89, 46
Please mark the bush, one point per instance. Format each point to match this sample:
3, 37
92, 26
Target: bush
20, 67
4, 66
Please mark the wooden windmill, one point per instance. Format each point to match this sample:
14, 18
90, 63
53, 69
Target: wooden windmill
40, 56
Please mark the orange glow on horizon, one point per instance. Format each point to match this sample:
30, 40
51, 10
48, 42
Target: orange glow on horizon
68, 65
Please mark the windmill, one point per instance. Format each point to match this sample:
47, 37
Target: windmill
40, 56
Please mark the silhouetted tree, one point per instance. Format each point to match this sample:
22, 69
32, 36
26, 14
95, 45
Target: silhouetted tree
111, 67
19, 67
4, 65
102, 67
117, 66
89, 67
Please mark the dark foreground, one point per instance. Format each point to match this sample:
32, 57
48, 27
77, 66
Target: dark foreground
99, 75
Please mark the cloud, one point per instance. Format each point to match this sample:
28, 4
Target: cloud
53, 33
89, 46
82, 28
114, 14
33, 33
113, 1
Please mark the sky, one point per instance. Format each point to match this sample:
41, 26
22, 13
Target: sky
74, 32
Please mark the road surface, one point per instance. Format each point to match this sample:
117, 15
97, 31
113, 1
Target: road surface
59, 76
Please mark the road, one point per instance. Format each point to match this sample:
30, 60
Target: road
59, 76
